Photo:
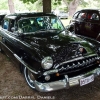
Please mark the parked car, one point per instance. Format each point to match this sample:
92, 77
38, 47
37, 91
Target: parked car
86, 22
63, 15
50, 57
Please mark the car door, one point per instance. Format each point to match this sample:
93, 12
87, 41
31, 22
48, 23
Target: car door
92, 24
9, 37
72, 21
79, 26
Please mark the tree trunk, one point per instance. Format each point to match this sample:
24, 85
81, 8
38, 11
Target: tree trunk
11, 6
47, 6
73, 6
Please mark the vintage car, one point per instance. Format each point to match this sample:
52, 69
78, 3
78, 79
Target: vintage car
50, 57
63, 15
86, 22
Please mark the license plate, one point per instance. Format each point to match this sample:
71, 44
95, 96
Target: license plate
86, 80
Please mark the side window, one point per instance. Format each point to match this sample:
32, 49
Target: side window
82, 15
56, 24
75, 15
11, 24
95, 16
6, 24
1, 19
40, 21
89, 16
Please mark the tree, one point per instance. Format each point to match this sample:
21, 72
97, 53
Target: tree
46, 4
11, 6
73, 4
3, 5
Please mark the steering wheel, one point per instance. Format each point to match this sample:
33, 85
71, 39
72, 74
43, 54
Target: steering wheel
27, 28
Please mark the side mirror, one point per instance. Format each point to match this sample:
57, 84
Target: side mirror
19, 32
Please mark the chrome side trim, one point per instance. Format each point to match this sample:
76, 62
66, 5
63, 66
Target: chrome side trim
80, 58
50, 72
25, 64
6, 46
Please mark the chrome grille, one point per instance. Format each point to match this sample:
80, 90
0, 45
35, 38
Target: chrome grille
78, 63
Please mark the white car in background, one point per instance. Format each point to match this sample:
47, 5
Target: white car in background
63, 15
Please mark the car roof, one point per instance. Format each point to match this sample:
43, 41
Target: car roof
19, 15
2, 15
90, 10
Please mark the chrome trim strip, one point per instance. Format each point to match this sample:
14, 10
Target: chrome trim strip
50, 72
6, 47
25, 64
7, 33
80, 58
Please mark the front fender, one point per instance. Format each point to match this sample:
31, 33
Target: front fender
95, 43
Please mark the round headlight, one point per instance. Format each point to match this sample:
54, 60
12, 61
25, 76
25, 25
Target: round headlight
47, 63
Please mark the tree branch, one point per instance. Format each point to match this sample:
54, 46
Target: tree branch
65, 2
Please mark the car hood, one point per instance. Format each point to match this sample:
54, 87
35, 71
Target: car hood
65, 44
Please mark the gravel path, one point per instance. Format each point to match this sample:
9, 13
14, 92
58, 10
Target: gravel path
13, 87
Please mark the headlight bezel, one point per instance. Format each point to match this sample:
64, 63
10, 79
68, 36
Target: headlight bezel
47, 63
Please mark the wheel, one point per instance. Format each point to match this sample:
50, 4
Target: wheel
29, 76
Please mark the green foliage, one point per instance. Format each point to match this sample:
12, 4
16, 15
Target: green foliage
3, 4
31, 5
28, 1
83, 3
68, 1
57, 2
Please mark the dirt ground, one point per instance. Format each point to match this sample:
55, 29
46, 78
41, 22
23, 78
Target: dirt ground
13, 86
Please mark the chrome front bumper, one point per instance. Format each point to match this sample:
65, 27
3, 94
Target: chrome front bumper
65, 83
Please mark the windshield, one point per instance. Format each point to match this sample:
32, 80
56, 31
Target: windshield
40, 23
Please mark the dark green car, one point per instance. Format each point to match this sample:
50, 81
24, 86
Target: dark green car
50, 57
